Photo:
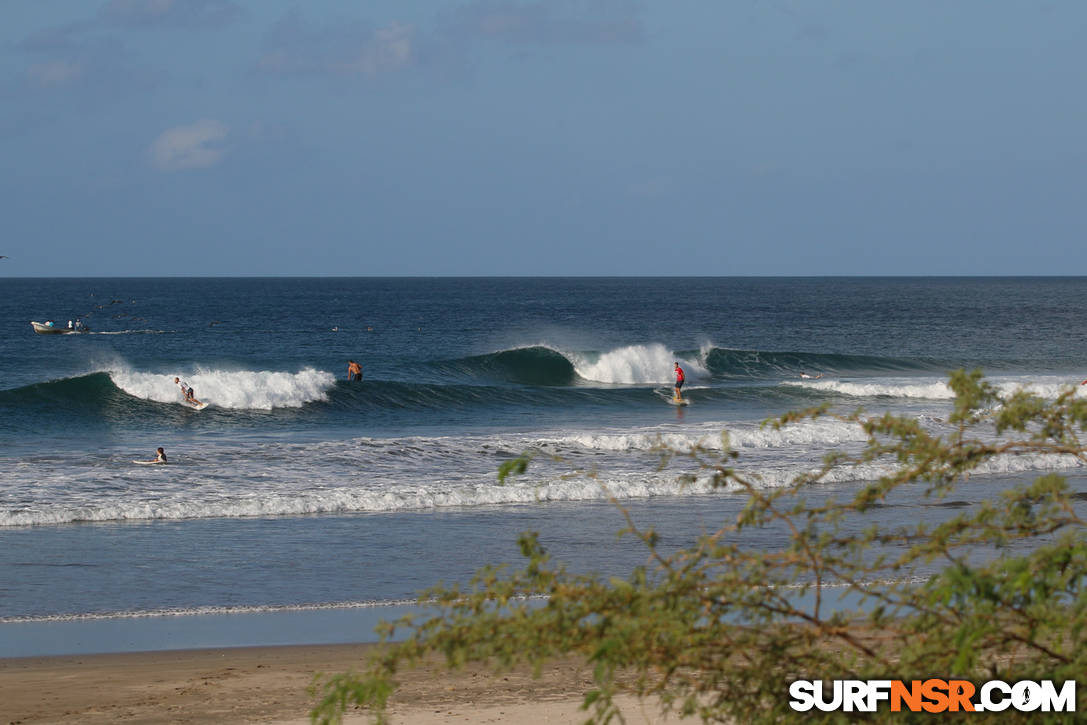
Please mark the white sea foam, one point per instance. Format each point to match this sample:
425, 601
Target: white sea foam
237, 389
916, 388
1047, 387
342, 499
220, 480
205, 611
231, 610
634, 365
825, 432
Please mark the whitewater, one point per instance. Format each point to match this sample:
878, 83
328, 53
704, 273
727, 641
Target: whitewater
220, 479
231, 389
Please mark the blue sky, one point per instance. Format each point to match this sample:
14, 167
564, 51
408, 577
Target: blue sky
552, 137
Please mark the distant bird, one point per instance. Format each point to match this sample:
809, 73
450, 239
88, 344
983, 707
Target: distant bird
2, 256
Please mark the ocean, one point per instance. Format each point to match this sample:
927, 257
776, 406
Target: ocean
299, 492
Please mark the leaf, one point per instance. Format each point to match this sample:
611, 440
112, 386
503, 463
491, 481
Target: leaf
513, 467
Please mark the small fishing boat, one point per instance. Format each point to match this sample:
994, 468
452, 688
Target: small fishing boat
50, 328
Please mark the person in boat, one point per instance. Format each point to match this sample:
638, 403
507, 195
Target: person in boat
48, 323
70, 326
354, 370
680, 378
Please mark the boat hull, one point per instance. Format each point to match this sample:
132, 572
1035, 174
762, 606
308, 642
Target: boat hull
43, 329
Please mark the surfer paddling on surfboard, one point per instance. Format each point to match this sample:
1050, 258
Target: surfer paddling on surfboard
186, 390
160, 457
680, 377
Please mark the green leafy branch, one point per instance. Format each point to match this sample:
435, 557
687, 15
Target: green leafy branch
717, 629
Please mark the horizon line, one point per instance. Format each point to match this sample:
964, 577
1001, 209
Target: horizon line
563, 276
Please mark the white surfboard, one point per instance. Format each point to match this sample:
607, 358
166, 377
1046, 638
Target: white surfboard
195, 406
669, 396
151, 463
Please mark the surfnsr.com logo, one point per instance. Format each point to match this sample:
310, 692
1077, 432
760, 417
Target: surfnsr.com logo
932, 695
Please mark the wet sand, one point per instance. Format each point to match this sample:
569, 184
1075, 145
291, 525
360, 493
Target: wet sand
269, 685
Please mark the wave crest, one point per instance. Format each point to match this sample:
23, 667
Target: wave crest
635, 365
233, 389
531, 365
651, 364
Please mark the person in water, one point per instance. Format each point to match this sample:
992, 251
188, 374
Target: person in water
680, 378
354, 370
160, 456
187, 391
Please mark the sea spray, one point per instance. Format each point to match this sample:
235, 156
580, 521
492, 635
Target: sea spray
635, 365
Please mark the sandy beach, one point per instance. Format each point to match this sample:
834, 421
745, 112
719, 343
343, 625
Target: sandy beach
269, 685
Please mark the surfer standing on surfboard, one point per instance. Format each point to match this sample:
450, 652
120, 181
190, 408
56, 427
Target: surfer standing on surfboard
187, 392
680, 377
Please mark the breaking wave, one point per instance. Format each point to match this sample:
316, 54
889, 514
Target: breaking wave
229, 389
232, 389
651, 364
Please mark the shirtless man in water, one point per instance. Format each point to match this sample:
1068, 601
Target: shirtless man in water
354, 370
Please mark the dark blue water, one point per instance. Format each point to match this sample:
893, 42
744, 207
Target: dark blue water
292, 473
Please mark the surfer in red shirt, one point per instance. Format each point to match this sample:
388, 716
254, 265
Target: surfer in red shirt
679, 381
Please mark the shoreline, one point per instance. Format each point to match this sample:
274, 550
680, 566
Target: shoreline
270, 685
168, 633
